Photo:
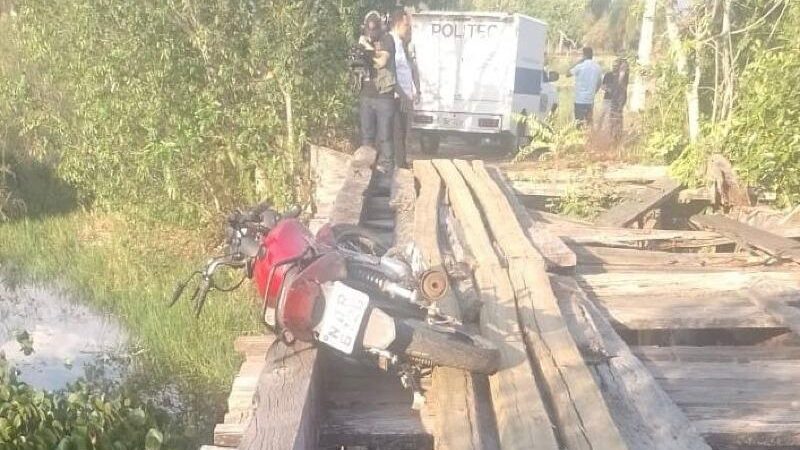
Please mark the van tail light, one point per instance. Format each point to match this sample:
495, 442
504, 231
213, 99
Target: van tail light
420, 118
489, 123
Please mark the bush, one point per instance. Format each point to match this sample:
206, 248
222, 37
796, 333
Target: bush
82, 417
763, 140
177, 109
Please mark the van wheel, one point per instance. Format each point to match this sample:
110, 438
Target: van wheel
429, 143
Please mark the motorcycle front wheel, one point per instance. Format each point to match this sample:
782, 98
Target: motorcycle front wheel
448, 346
357, 239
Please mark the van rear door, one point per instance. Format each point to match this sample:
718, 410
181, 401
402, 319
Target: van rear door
466, 66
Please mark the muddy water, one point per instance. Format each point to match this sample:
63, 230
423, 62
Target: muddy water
69, 340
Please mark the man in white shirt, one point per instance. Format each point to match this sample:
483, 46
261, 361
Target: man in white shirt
405, 89
588, 77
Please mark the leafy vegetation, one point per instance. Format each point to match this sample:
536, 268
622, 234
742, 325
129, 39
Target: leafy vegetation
733, 63
552, 138
79, 418
180, 109
585, 201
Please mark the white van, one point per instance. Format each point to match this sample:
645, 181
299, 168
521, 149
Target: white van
477, 71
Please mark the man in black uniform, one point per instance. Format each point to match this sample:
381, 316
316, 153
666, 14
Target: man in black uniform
377, 105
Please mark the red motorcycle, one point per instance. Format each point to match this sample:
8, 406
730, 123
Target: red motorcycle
343, 290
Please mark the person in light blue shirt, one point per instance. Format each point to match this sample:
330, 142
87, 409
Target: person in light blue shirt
588, 77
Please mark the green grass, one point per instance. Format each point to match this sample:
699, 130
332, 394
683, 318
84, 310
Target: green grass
130, 270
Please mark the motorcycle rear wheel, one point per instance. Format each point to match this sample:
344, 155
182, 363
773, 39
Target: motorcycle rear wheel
446, 346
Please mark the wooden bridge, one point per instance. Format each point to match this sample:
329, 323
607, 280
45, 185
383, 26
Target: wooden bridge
605, 345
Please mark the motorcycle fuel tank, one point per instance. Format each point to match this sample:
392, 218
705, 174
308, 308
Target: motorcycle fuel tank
289, 240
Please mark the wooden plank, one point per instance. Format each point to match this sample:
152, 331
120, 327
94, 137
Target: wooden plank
587, 235
610, 258
644, 283
689, 309
463, 206
456, 421
253, 345
629, 211
522, 421
402, 201
550, 189
582, 418
780, 302
640, 174
350, 199
647, 417
734, 395
777, 246
690, 300
229, 434
556, 253
497, 210
286, 415
329, 169
651, 354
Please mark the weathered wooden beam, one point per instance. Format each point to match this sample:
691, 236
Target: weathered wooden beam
329, 169
781, 302
287, 410
402, 201
522, 420
639, 174
582, 417
349, 201
631, 210
773, 244
693, 300
609, 258
253, 345
556, 253
464, 206
736, 397
496, 209
645, 414
609, 236
456, 421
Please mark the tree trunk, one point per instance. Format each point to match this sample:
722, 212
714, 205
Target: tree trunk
693, 105
727, 61
645, 49
679, 55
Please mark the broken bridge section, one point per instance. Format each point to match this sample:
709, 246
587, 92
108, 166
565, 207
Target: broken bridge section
604, 345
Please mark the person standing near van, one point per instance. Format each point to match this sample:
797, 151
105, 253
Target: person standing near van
588, 76
406, 89
615, 88
377, 104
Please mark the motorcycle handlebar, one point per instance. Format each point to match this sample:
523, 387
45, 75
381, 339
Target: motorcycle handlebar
243, 233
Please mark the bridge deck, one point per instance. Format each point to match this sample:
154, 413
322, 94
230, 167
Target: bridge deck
636, 349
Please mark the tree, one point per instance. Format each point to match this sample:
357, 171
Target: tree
639, 88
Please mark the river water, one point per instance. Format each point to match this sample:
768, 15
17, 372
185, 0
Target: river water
69, 340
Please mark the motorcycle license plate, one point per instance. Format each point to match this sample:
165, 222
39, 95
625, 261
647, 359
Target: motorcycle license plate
344, 311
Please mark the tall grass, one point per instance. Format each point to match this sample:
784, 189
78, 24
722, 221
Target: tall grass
129, 270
